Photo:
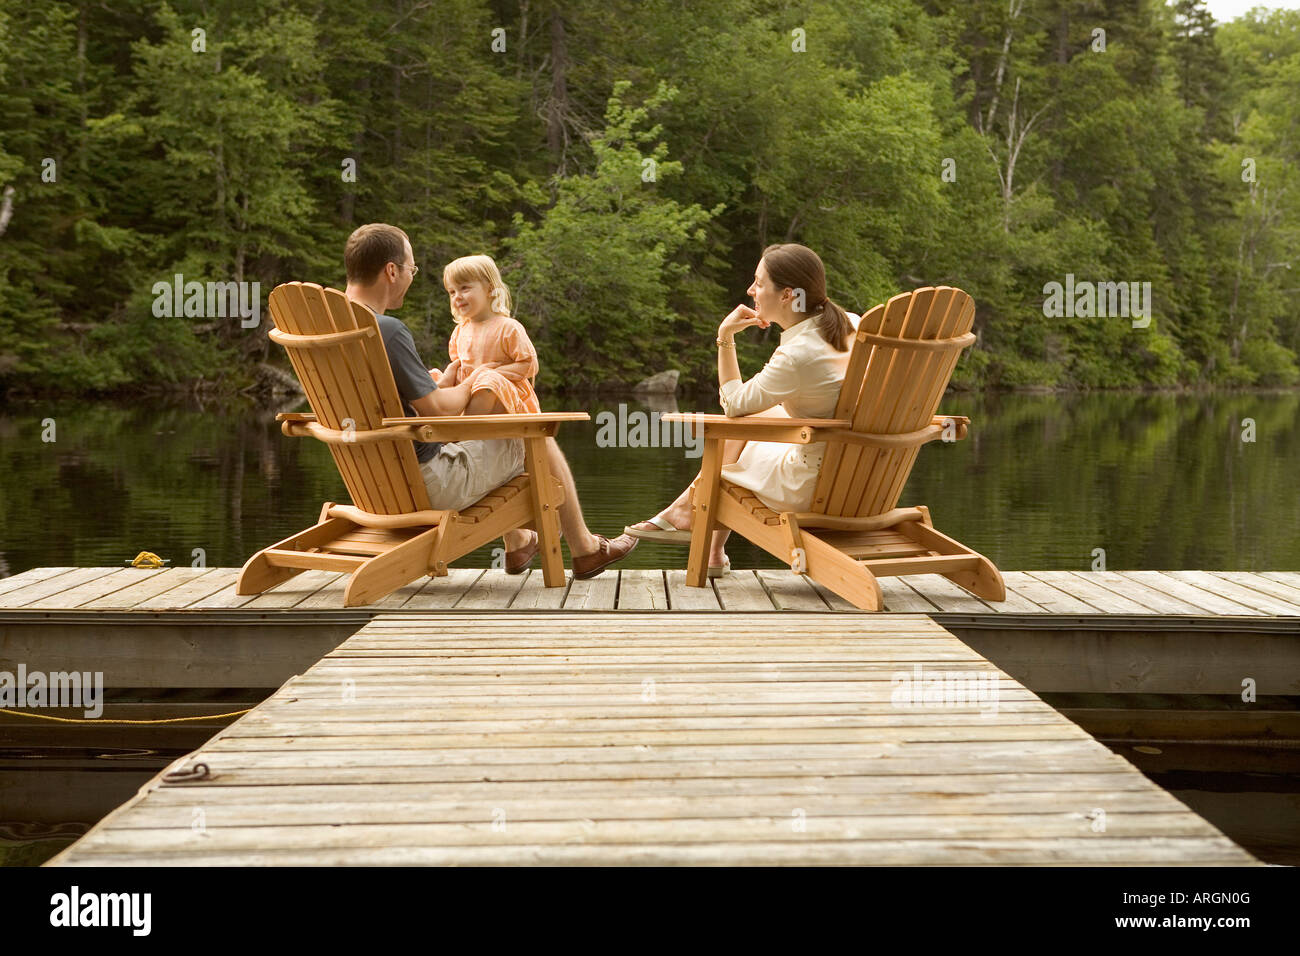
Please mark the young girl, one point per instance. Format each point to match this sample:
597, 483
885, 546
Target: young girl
488, 348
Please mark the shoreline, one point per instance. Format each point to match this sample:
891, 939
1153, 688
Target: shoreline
226, 396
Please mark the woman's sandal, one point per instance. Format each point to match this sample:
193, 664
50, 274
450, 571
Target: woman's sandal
718, 570
668, 534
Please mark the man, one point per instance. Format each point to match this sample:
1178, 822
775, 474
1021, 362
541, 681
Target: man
380, 267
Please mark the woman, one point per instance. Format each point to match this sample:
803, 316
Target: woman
801, 380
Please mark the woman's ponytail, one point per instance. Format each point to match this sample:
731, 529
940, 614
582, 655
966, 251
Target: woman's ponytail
834, 326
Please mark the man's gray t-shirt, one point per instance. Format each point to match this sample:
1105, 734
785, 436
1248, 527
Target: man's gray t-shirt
411, 375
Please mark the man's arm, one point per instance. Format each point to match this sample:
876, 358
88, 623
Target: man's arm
443, 401
414, 383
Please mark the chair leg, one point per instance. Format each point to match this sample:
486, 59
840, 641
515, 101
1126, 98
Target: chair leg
704, 514
385, 573
847, 577
547, 496
258, 574
983, 581
438, 550
827, 565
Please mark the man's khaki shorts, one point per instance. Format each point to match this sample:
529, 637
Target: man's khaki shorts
464, 471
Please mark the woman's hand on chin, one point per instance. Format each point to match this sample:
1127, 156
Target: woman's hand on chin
741, 317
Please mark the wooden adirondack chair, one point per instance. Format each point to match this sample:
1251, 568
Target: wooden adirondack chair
389, 536
901, 360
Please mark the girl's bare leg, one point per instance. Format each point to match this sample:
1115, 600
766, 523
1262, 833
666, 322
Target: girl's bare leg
484, 402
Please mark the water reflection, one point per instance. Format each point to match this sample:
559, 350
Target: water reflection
1042, 481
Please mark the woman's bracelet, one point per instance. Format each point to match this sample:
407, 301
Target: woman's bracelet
726, 345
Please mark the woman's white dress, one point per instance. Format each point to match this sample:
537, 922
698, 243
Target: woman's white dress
801, 380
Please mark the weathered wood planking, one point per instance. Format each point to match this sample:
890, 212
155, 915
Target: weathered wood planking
1190, 594
645, 737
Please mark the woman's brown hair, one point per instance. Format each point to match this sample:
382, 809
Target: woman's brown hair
792, 266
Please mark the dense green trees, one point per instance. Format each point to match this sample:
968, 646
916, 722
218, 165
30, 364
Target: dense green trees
626, 162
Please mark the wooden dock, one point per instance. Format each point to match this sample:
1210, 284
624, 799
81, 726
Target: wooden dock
490, 737
1161, 632
1263, 597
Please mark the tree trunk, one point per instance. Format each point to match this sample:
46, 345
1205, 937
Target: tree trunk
81, 86
1062, 58
348, 201
1013, 13
523, 39
557, 106
6, 208
397, 102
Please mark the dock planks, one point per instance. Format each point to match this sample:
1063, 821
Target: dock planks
1058, 631
651, 737
1210, 595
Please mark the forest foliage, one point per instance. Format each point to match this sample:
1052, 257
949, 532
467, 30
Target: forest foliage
626, 161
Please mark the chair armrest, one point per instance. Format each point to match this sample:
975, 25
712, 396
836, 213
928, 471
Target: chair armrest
468, 427
441, 428
899, 440
795, 431
941, 419
296, 417
941, 426
296, 428
802, 431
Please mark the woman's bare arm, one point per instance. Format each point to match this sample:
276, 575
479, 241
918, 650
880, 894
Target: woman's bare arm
741, 317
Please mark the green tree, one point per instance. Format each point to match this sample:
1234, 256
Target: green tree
593, 276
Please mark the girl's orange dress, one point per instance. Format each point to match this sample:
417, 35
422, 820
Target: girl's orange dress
497, 355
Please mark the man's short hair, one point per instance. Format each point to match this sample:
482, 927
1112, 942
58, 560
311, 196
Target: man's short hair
370, 248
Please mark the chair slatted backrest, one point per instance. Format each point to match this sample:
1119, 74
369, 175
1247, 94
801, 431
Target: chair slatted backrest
351, 379
890, 390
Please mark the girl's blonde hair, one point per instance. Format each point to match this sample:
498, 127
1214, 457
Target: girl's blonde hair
479, 269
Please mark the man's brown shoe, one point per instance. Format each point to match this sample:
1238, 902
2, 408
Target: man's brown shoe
517, 562
589, 565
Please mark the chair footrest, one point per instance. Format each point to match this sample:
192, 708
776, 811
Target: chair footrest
931, 564
312, 560
873, 545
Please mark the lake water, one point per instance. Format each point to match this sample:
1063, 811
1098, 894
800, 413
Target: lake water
1156, 481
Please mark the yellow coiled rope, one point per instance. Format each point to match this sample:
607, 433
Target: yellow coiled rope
145, 559
100, 720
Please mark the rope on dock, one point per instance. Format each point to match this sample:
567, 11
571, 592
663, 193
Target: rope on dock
100, 720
